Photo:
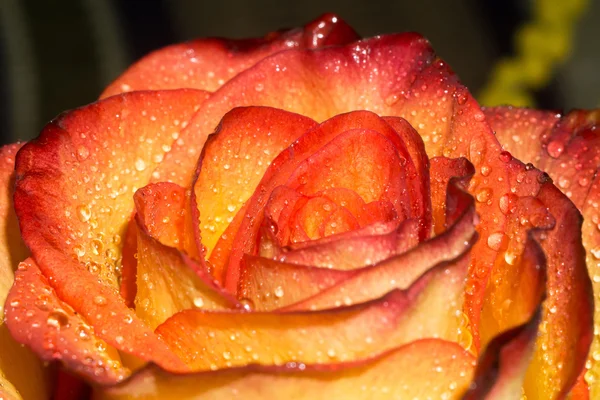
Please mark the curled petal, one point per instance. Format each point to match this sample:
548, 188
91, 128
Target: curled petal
427, 368
207, 64
216, 340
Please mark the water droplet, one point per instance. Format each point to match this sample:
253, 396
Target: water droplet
140, 165
510, 258
83, 333
391, 100
461, 98
79, 251
555, 149
495, 240
278, 292
58, 319
82, 153
198, 302
583, 181
84, 213
563, 182
246, 304
484, 195
486, 170
507, 203
505, 156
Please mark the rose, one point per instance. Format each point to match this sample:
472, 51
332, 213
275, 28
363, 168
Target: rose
276, 212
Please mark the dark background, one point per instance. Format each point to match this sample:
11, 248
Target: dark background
59, 54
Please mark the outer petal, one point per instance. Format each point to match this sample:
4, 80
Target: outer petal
54, 331
216, 340
21, 374
428, 368
74, 198
207, 64
567, 149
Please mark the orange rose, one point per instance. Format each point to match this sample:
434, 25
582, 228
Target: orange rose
313, 216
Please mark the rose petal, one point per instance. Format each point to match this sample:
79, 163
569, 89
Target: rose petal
216, 340
21, 373
501, 368
54, 331
234, 160
567, 151
74, 200
422, 369
208, 63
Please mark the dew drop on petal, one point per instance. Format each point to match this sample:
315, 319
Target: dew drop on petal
198, 302
246, 304
100, 300
140, 165
555, 149
278, 292
58, 319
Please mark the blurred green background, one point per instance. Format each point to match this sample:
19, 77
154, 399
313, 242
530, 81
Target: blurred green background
59, 54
